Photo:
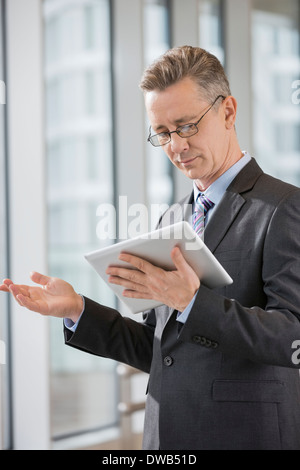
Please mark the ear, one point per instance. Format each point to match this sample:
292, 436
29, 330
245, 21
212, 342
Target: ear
230, 109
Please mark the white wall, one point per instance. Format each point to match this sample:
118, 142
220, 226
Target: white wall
30, 365
238, 65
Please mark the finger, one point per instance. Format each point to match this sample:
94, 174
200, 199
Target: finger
179, 260
139, 263
4, 288
27, 303
7, 282
136, 295
133, 286
16, 289
127, 273
39, 278
13, 288
127, 277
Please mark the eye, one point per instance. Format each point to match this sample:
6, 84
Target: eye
186, 129
163, 136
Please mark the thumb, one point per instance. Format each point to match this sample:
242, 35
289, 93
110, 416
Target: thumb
39, 278
179, 260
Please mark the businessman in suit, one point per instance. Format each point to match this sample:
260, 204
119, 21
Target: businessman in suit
220, 361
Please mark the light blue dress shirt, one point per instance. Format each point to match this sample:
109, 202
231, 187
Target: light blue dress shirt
214, 192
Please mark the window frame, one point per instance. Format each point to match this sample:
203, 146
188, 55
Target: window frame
5, 369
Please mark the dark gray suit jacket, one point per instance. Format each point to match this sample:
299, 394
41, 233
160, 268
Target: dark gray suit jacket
226, 380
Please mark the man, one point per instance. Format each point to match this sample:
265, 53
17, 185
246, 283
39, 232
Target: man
221, 367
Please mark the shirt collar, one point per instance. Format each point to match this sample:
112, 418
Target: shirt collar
217, 189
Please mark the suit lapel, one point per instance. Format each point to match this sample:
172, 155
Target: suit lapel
230, 205
222, 218
177, 212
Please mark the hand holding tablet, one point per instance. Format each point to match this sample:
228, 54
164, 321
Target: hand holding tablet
155, 248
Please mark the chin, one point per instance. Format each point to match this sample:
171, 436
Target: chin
191, 173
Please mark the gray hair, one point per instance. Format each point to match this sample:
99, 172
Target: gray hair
187, 62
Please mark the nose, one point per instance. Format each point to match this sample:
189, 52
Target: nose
178, 144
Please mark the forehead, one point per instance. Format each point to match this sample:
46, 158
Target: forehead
175, 104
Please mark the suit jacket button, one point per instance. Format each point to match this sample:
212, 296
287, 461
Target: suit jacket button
168, 361
196, 338
214, 344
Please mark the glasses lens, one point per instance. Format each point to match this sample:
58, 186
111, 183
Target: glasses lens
160, 139
187, 131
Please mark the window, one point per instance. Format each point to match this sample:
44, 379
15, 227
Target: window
156, 42
210, 27
80, 178
4, 319
276, 74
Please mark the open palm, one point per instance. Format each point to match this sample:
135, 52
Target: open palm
53, 296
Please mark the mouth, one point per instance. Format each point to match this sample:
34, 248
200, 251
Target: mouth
187, 162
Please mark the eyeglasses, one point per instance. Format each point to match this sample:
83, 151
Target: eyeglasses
187, 130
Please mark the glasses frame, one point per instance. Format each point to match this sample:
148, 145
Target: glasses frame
179, 128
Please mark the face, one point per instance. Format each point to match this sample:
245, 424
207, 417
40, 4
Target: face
207, 154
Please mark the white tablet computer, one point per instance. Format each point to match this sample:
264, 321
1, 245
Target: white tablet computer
156, 247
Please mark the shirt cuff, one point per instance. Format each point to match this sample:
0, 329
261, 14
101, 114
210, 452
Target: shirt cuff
69, 323
183, 316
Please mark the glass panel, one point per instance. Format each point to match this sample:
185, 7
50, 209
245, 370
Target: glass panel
80, 178
210, 27
276, 73
156, 42
4, 358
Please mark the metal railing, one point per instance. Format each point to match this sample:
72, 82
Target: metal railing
127, 407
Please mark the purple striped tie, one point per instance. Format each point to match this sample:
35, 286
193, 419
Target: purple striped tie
202, 206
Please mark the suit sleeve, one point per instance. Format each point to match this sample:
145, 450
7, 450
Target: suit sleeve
265, 335
103, 331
